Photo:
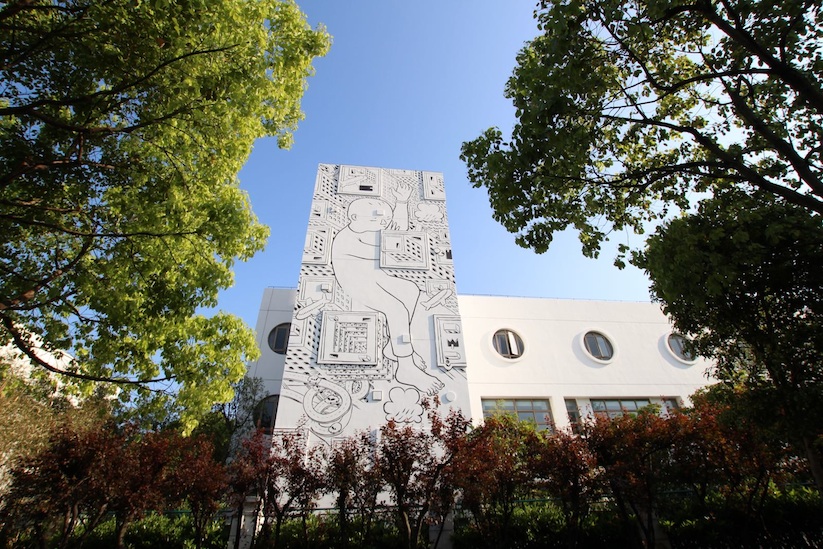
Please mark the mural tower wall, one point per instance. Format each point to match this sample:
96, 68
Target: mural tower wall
376, 328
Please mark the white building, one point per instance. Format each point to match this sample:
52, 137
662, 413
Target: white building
375, 326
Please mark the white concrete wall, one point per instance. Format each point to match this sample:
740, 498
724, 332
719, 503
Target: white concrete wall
276, 307
555, 364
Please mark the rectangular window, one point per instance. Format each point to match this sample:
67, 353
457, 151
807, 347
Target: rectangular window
670, 404
574, 414
536, 411
613, 408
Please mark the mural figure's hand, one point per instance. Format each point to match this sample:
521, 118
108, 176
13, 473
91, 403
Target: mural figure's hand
402, 192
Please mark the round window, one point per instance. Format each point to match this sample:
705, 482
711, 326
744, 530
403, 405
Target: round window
508, 344
279, 338
677, 345
598, 346
265, 413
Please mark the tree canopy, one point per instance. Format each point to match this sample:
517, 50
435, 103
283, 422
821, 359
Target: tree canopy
627, 108
123, 126
742, 277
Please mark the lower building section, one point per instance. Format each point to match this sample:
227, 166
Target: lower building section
551, 362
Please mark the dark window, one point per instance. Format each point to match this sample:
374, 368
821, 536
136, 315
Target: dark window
535, 411
598, 346
670, 404
265, 413
279, 338
508, 344
677, 343
574, 414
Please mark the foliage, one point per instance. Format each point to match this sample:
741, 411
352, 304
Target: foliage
415, 466
59, 487
496, 473
90, 470
627, 108
229, 423
247, 476
123, 126
565, 468
353, 477
201, 481
173, 531
696, 476
742, 277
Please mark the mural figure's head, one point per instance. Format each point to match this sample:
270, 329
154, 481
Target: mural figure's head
369, 214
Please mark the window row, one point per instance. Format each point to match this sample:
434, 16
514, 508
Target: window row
538, 411
509, 344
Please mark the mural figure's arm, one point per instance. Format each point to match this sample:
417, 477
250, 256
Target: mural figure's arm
401, 207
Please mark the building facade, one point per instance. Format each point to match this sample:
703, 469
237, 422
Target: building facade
375, 327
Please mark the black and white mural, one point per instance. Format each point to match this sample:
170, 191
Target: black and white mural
376, 328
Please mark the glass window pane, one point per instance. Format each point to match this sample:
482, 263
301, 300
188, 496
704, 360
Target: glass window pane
677, 344
612, 405
507, 343
541, 405
501, 344
524, 404
598, 346
598, 405
526, 416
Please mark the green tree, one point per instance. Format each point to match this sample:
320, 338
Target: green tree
742, 277
626, 108
122, 128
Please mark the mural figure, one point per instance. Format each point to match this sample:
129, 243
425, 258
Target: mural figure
355, 257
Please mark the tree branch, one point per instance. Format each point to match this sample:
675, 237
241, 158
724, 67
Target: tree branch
781, 146
21, 343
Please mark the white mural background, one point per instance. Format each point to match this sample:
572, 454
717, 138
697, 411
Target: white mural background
376, 328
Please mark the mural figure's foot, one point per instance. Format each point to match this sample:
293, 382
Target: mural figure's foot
408, 373
419, 362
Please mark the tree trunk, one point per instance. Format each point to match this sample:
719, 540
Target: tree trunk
815, 463
120, 534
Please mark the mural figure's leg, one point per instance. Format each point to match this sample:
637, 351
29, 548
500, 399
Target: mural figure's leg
408, 294
397, 299
408, 372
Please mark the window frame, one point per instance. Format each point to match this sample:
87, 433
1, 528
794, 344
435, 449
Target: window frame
681, 355
519, 408
599, 336
272, 338
511, 339
267, 407
618, 407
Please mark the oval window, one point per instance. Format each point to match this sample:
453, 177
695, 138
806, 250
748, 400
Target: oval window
508, 344
265, 413
598, 346
279, 338
677, 345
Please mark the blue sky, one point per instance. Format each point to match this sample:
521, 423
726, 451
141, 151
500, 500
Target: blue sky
404, 85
